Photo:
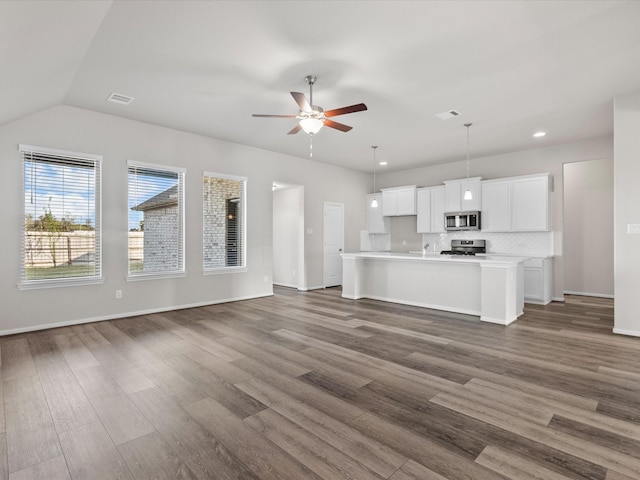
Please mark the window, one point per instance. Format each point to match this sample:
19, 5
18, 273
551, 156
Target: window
156, 220
224, 223
61, 239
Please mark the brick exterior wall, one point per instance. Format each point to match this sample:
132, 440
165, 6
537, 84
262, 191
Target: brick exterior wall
216, 192
162, 231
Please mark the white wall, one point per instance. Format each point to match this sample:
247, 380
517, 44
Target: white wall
119, 140
626, 181
549, 159
588, 227
288, 220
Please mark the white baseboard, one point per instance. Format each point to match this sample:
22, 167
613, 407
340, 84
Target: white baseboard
621, 331
585, 294
557, 299
287, 285
34, 328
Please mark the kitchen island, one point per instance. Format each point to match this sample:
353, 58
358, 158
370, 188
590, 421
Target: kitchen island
491, 287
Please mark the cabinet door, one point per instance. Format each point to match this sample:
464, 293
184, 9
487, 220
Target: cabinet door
377, 223
533, 287
390, 203
423, 200
437, 209
406, 201
496, 206
531, 204
453, 192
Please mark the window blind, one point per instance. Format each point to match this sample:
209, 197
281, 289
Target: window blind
62, 236
156, 219
224, 222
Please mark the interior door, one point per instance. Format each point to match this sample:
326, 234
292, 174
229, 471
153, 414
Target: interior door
333, 243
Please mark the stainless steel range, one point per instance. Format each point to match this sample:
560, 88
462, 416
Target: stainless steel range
466, 247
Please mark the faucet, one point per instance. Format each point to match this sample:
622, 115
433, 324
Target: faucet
425, 248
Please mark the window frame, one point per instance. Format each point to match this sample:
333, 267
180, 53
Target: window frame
243, 226
43, 283
177, 273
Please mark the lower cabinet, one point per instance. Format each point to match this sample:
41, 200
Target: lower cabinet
538, 280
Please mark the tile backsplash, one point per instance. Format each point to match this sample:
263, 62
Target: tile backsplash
532, 243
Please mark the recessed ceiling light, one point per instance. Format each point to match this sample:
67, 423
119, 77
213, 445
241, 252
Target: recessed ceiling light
539, 134
383, 163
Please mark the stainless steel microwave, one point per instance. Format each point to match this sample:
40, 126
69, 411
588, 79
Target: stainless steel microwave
462, 221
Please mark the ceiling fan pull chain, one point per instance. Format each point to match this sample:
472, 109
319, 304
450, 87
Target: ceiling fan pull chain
311, 145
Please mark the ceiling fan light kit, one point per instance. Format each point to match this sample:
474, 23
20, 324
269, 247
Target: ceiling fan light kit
311, 118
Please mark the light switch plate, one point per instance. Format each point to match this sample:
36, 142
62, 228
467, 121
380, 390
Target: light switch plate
633, 228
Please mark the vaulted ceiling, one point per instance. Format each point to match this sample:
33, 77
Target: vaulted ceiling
510, 68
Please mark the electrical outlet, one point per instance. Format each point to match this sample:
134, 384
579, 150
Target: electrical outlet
118, 294
266, 278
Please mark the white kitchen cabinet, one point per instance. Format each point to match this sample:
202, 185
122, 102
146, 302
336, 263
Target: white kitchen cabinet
377, 222
437, 209
399, 201
538, 280
454, 195
496, 205
531, 203
430, 209
423, 207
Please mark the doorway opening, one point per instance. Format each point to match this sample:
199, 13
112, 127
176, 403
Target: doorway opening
288, 236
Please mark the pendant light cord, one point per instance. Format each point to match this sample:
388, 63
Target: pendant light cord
374, 167
468, 125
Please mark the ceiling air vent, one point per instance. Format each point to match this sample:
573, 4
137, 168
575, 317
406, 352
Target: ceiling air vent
448, 114
119, 98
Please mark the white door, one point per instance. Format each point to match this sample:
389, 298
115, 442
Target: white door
333, 243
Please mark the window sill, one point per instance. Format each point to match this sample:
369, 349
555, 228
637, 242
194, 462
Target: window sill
154, 276
63, 282
223, 270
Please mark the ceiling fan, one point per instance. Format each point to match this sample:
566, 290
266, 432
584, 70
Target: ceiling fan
312, 117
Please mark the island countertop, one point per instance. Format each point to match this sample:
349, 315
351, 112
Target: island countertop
437, 257
489, 286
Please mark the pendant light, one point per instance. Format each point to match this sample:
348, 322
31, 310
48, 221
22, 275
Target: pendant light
374, 202
467, 194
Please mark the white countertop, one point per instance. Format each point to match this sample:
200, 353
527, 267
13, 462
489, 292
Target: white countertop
437, 257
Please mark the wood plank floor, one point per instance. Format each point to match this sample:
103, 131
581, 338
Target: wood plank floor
309, 386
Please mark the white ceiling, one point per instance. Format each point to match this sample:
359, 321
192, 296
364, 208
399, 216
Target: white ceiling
511, 68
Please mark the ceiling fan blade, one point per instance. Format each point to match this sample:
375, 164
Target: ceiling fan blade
294, 130
344, 110
338, 126
272, 116
302, 101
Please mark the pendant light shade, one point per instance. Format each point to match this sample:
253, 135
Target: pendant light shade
467, 194
374, 202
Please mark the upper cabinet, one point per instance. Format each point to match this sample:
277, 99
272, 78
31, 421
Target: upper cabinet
455, 190
531, 203
430, 209
399, 201
377, 223
516, 204
496, 205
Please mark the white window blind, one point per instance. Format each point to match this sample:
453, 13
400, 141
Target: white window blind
61, 242
224, 223
156, 220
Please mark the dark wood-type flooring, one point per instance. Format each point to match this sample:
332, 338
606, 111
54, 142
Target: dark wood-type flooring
309, 385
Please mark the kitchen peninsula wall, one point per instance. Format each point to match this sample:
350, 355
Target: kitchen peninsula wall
538, 160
